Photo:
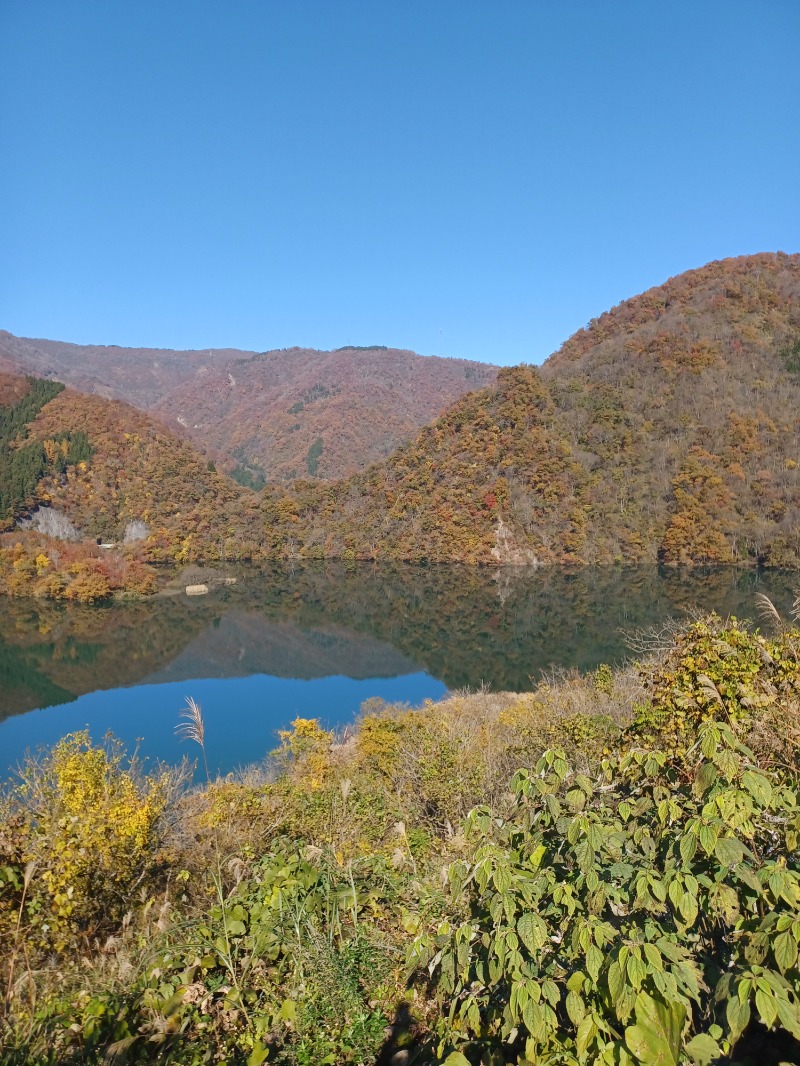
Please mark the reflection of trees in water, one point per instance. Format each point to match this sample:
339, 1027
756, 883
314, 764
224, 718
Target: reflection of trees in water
464, 625
51, 653
467, 625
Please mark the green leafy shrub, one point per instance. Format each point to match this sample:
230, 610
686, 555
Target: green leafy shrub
645, 915
717, 670
286, 969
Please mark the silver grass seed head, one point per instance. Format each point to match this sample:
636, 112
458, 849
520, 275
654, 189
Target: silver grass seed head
192, 727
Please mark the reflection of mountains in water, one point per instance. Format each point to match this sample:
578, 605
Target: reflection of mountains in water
463, 625
240, 643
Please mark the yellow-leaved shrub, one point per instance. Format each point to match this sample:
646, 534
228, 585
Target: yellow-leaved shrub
88, 821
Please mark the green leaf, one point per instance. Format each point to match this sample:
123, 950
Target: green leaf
655, 1039
784, 949
616, 981
688, 908
758, 786
658, 888
594, 962
586, 1032
747, 877
257, 1055
550, 992
789, 1016
584, 853
537, 855
729, 851
708, 838
710, 739
532, 932
738, 1017
532, 1017
575, 1008
767, 1008
636, 971
653, 956
455, 1058
288, 1011
705, 778
703, 1049
675, 892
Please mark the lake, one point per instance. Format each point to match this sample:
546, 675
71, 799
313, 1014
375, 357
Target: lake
319, 640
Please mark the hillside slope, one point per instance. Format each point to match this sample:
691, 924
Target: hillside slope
295, 412
142, 376
668, 429
299, 412
133, 469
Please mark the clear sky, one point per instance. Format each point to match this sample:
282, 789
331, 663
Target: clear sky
461, 178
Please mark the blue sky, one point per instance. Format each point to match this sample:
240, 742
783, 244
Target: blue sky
460, 178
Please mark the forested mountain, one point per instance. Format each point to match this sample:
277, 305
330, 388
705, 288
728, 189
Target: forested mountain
667, 429
127, 468
304, 413
294, 412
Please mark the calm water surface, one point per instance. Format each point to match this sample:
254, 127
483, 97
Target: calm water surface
321, 640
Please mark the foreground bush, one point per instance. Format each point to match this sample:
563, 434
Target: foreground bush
642, 915
633, 897
80, 832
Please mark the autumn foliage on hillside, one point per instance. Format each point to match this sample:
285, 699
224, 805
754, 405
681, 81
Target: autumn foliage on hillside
140, 472
24, 462
667, 430
275, 415
36, 565
441, 496
304, 413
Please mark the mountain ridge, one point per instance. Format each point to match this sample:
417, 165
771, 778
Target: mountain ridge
273, 415
668, 430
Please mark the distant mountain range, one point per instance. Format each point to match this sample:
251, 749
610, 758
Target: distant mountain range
294, 412
668, 429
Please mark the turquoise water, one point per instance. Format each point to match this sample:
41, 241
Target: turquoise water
319, 641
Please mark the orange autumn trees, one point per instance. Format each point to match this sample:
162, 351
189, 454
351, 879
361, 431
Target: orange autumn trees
668, 429
696, 533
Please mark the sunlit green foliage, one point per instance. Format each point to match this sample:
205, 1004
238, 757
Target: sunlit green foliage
721, 670
639, 915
